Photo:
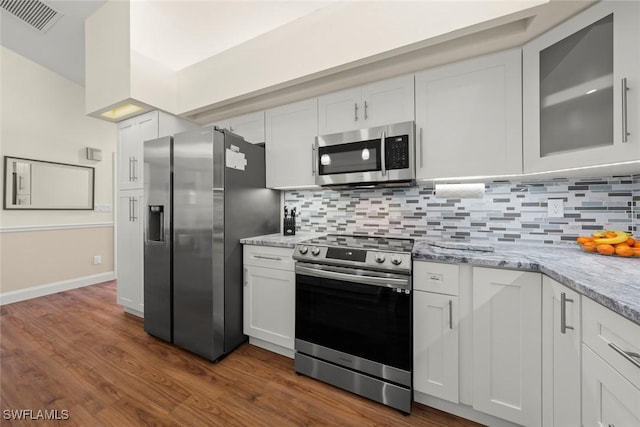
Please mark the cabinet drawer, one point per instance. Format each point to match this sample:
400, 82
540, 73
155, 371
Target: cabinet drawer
436, 277
269, 257
610, 336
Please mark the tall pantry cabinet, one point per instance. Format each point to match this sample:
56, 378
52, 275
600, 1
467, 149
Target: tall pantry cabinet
130, 200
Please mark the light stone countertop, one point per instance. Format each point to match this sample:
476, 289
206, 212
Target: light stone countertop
278, 240
609, 280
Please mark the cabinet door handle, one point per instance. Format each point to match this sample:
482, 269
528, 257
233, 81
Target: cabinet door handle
130, 210
563, 313
246, 274
130, 169
355, 109
20, 182
421, 152
313, 159
135, 165
625, 129
271, 258
629, 355
450, 314
366, 107
383, 154
133, 209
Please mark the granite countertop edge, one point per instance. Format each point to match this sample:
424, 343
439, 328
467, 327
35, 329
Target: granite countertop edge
559, 263
277, 240
616, 292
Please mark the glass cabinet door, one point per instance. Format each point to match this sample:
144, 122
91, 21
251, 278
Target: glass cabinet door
581, 91
576, 90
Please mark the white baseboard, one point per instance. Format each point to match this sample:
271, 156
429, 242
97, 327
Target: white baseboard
134, 312
53, 288
461, 410
272, 347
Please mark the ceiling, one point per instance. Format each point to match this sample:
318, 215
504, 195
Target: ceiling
175, 33
61, 48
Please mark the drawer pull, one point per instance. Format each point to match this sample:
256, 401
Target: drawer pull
629, 355
271, 258
450, 314
435, 277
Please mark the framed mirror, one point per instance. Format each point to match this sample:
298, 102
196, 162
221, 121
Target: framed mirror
36, 184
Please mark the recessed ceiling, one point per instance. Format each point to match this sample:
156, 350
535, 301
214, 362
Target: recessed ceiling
175, 33
61, 47
180, 33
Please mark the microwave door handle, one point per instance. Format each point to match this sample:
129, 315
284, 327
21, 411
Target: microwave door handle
383, 157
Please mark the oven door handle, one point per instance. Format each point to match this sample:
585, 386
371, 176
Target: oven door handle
385, 282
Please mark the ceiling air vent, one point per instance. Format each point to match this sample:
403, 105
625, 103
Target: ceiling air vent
35, 13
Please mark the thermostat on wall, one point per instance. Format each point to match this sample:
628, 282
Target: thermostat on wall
94, 154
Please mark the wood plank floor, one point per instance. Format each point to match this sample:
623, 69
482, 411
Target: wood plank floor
78, 351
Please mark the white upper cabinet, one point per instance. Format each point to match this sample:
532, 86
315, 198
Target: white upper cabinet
249, 126
469, 117
577, 109
376, 104
290, 134
131, 135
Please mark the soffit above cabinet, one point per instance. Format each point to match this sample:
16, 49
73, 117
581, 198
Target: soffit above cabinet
316, 48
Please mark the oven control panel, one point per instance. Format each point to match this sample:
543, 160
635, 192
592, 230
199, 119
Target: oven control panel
357, 258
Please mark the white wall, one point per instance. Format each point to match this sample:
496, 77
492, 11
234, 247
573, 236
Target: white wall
43, 118
335, 38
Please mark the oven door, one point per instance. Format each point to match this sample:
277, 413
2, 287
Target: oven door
356, 318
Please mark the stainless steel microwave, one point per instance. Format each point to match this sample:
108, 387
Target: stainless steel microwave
382, 155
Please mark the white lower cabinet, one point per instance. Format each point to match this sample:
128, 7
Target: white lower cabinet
269, 298
435, 330
608, 398
435, 345
561, 347
610, 368
130, 254
507, 366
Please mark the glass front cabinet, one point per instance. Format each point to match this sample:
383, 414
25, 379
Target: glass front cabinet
581, 90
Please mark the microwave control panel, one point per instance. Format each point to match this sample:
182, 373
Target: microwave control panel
397, 152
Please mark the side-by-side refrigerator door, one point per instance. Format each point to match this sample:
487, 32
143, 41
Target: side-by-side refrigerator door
197, 231
157, 238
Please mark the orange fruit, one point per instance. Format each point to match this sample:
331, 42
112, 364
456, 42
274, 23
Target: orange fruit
631, 241
621, 245
590, 247
605, 249
582, 240
636, 244
610, 235
636, 251
624, 251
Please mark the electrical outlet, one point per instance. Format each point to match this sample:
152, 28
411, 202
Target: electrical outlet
555, 208
97, 259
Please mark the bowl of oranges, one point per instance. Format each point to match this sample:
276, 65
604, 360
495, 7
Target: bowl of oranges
611, 242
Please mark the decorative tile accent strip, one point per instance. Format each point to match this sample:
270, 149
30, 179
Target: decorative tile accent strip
511, 211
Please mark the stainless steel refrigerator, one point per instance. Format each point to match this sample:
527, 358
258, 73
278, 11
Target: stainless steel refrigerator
204, 191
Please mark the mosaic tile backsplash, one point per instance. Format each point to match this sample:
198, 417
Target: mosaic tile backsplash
510, 211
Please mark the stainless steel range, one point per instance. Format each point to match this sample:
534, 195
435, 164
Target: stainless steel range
353, 315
